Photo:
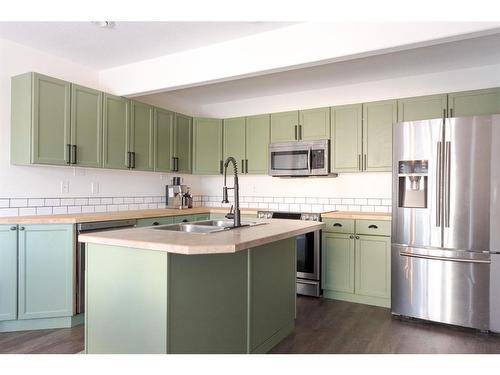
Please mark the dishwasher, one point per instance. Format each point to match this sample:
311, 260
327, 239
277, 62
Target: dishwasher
86, 228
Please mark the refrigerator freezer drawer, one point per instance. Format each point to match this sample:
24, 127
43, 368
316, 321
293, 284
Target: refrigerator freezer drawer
447, 288
495, 293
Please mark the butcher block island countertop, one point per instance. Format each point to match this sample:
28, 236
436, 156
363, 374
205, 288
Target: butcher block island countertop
356, 215
227, 241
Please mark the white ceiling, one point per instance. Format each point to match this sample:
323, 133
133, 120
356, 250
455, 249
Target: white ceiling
457, 55
127, 42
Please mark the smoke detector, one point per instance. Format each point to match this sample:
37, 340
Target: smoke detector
104, 24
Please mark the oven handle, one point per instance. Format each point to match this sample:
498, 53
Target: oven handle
430, 257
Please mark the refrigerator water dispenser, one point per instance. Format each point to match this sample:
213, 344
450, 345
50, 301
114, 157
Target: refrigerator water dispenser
413, 183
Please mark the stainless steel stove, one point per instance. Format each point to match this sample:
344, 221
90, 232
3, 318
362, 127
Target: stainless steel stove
308, 252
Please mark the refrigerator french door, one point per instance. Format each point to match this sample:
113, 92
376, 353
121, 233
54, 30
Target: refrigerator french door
444, 197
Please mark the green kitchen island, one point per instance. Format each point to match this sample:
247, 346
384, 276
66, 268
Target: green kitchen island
156, 291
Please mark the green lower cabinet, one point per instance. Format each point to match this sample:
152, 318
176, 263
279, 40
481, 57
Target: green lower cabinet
207, 146
373, 266
45, 271
155, 221
422, 107
472, 103
357, 268
8, 272
338, 262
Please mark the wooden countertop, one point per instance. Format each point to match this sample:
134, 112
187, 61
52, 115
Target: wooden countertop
117, 215
356, 215
228, 241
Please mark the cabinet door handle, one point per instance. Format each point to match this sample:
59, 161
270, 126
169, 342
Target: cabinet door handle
129, 162
73, 154
156, 223
337, 225
21, 228
451, 112
13, 227
246, 166
172, 164
220, 166
242, 165
357, 237
68, 152
372, 226
351, 237
296, 138
133, 158
359, 162
364, 168
300, 132
177, 164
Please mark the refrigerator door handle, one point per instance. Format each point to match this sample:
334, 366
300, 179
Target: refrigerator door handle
447, 171
463, 260
438, 185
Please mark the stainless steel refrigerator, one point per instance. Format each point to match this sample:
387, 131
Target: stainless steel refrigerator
446, 221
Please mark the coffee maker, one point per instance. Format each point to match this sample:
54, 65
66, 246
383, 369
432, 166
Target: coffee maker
176, 193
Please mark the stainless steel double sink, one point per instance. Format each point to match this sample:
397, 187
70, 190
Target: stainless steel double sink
207, 226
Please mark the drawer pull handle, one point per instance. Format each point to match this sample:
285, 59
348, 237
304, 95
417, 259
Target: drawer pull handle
337, 225
156, 223
372, 226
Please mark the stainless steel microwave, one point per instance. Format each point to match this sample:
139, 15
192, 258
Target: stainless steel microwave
303, 158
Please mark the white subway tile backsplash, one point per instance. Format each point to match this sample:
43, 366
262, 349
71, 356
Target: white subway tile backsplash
340, 207
283, 207
158, 199
244, 205
335, 201
106, 200
74, 209
347, 201
18, 203
328, 207
323, 201
37, 202
100, 208
126, 200
87, 209
353, 207
151, 205
294, 207
317, 208
133, 206
367, 208
4, 203
52, 202
374, 202
143, 206
148, 199
263, 206
81, 201
44, 210
268, 199
289, 200
118, 200
138, 200
9, 212
305, 207
278, 200
300, 200
123, 207
381, 209
112, 207
312, 200
360, 201
273, 206
386, 202
27, 211
61, 210
67, 202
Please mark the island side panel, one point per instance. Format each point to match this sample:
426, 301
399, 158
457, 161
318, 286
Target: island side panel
208, 303
126, 300
272, 294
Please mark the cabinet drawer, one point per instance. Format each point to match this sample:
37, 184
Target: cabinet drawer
338, 225
373, 227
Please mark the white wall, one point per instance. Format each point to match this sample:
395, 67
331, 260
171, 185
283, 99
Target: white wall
36, 181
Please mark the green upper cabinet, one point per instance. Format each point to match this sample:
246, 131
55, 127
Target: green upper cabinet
378, 120
471, 103
373, 266
45, 271
284, 126
422, 107
183, 137
163, 140
257, 144
234, 141
8, 272
338, 262
116, 132
86, 126
347, 138
314, 124
207, 146
40, 120
141, 139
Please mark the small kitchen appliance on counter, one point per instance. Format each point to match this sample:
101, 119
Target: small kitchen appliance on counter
177, 195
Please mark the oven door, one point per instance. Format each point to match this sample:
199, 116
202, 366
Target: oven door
287, 159
308, 255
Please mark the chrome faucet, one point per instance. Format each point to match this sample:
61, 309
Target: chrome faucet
236, 215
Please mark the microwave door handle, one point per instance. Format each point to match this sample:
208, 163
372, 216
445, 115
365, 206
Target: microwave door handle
309, 160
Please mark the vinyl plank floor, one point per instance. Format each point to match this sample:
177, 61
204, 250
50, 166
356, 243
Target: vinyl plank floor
322, 326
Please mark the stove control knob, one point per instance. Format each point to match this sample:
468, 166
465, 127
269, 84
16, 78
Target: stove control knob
269, 215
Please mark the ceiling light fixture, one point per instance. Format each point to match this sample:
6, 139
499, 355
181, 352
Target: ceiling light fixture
104, 24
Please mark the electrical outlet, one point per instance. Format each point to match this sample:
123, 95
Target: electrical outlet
94, 188
64, 187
